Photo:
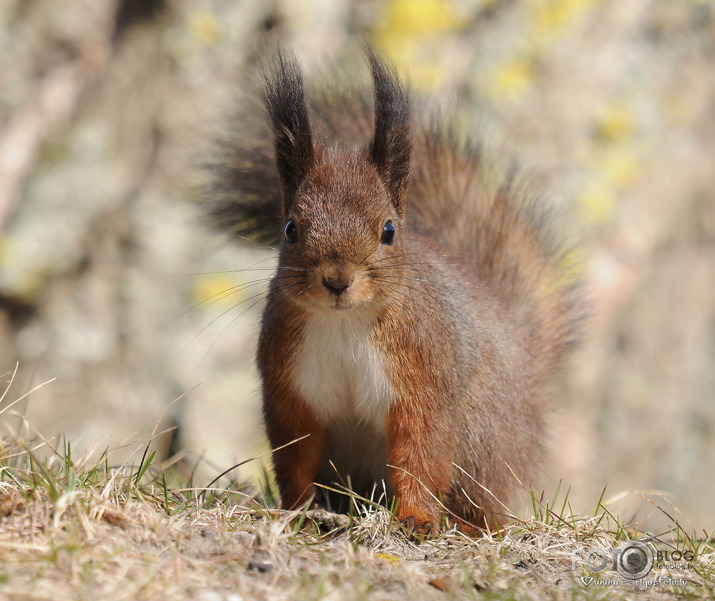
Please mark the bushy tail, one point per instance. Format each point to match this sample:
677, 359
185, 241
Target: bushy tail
487, 217
238, 186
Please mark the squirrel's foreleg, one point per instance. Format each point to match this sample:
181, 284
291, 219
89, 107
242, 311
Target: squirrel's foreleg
289, 418
420, 451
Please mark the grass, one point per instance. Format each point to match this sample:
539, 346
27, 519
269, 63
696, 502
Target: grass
79, 527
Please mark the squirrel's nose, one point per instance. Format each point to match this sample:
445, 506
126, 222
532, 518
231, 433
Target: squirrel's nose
337, 285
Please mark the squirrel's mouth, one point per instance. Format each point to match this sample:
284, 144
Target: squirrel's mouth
323, 304
337, 290
342, 306
317, 299
343, 302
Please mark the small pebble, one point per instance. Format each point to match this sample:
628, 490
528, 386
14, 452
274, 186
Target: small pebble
208, 533
260, 567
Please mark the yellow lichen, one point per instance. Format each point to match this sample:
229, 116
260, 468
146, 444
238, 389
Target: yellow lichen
423, 17
411, 28
621, 165
617, 123
552, 17
597, 202
393, 559
511, 80
205, 27
217, 291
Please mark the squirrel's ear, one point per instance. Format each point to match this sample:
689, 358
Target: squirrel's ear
392, 142
284, 98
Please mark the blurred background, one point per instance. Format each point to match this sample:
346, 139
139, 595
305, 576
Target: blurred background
110, 283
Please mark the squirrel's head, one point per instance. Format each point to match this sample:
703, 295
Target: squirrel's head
344, 208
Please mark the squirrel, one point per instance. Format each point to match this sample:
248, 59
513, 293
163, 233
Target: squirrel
419, 309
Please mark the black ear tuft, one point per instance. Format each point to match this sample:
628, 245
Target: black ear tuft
392, 142
284, 98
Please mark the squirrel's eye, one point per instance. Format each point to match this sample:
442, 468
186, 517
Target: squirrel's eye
388, 234
291, 232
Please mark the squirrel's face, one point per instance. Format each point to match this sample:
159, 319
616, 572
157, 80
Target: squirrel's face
343, 209
343, 238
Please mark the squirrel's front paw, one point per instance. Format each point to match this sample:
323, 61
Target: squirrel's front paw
418, 523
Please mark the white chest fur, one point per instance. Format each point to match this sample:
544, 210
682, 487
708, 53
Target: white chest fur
340, 371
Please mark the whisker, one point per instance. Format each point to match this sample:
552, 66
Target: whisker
249, 268
384, 263
397, 277
211, 300
418, 289
243, 270
252, 243
401, 283
241, 314
262, 294
217, 297
421, 293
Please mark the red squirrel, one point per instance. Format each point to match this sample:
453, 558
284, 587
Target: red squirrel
419, 308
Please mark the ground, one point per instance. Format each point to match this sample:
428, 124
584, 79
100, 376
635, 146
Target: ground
79, 528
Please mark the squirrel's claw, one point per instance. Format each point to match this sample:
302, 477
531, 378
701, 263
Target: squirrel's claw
419, 527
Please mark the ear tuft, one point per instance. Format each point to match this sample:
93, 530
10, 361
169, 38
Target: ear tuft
284, 99
392, 142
